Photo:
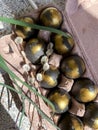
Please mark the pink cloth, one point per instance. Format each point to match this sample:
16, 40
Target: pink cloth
82, 16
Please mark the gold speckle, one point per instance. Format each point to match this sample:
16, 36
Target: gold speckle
74, 70
95, 125
61, 100
36, 48
49, 80
76, 124
59, 44
86, 95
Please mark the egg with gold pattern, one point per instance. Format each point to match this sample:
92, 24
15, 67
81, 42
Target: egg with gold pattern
70, 122
50, 77
63, 45
25, 32
73, 66
60, 99
91, 116
51, 17
84, 90
34, 50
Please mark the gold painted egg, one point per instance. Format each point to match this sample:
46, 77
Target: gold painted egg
51, 17
60, 99
91, 116
63, 45
73, 66
84, 90
70, 122
25, 32
34, 50
50, 77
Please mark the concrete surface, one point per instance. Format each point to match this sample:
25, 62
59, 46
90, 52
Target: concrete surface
8, 117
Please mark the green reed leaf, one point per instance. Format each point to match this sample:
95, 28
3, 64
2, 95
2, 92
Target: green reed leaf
13, 76
32, 89
34, 26
9, 87
23, 112
31, 101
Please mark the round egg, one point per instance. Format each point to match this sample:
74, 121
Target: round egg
50, 77
51, 17
60, 99
84, 90
73, 66
91, 116
25, 32
34, 50
70, 122
63, 45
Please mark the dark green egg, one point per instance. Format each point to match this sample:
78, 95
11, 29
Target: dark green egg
63, 45
25, 32
50, 78
91, 116
60, 99
70, 122
34, 50
84, 90
51, 17
73, 66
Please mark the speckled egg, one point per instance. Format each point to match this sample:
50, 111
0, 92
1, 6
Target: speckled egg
60, 99
51, 17
91, 116
70, 122
50, 77
84, 90
34, 50
63, 45
73, 66
25, 32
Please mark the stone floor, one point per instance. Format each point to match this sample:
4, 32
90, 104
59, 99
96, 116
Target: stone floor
8, 117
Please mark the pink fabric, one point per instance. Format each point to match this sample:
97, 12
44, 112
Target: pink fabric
82, 16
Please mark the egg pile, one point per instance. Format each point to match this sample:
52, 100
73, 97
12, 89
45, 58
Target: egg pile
71, 66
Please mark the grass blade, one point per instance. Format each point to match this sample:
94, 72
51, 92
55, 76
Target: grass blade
34, 26
23, 112
9, 87
32, 89
31, 101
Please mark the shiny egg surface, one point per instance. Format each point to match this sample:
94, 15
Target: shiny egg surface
61, 100
91, 115
70, 122
50, 78
34, 50
73, 66
63, 45
51, 17
25, 32
84, 90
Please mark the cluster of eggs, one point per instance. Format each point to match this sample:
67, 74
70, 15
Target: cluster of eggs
72, 66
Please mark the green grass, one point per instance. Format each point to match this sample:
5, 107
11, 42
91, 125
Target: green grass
20, 92
34, 26
15, 78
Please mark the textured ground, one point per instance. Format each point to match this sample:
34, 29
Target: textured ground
8, 117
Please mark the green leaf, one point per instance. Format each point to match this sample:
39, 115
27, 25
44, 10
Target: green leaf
31, 101
9, 87
14, 77
34, 26
23, 112
32, 89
